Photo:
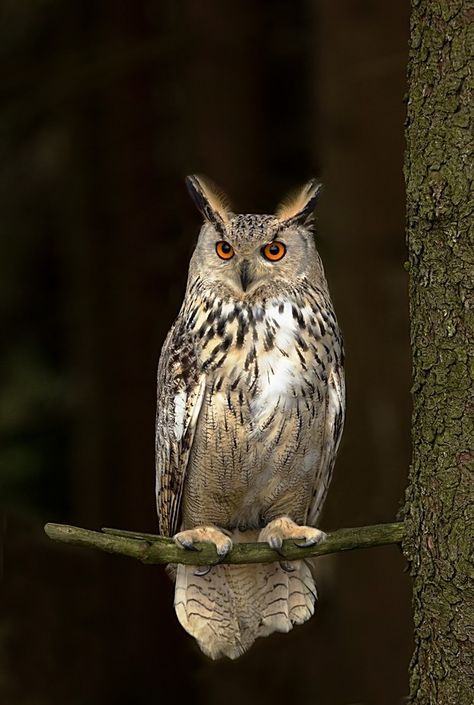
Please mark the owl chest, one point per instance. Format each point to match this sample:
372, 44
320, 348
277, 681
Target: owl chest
253, 431
257, 417
264, 362
262, 370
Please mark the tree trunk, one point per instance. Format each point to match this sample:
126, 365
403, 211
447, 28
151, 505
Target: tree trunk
439, 497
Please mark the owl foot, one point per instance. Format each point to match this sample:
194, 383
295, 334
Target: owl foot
204, 534
284, 528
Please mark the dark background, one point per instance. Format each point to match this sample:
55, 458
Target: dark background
105, 106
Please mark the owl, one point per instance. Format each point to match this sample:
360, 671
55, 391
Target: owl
250, 410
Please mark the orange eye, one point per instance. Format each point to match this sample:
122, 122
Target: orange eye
224, 250
274, 251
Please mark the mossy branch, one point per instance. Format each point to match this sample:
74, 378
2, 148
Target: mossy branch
150, 548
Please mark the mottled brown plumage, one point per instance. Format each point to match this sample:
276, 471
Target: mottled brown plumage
249, 416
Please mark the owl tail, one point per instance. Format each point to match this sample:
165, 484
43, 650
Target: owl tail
232, 605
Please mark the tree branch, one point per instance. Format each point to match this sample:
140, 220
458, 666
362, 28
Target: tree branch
150, 548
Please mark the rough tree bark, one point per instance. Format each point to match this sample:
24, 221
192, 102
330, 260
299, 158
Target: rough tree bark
439, 508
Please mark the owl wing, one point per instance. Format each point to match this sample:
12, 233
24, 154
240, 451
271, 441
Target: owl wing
180, 395
331, 435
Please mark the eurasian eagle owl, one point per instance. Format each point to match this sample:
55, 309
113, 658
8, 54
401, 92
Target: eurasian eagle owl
249, 417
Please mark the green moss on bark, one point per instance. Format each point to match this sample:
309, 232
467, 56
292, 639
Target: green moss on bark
439, 502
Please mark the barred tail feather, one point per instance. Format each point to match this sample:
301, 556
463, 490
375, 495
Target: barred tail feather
232, 605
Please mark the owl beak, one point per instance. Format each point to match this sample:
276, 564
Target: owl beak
245, 276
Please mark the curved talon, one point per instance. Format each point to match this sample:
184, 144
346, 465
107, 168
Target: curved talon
222, 551
204, 570
305, 544
276, 543
189, 546
310, 542
315, 540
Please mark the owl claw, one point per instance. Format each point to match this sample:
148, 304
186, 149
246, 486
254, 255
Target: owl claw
222, 551
276, 542
205, 534
187, 544
284, 528
312, 541
204, 570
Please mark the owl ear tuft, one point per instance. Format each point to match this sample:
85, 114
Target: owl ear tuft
298, 207
209, 200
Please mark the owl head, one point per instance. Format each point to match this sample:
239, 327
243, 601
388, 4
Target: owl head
245, 256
